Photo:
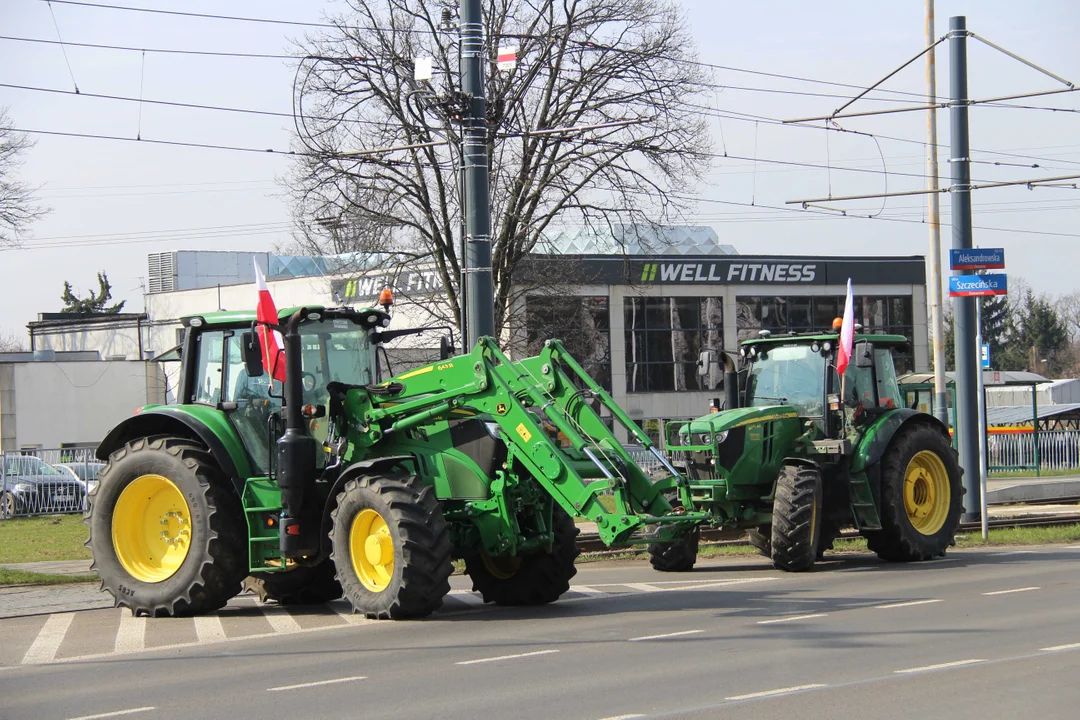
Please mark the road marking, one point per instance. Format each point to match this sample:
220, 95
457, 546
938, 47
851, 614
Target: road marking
316, 683
790, 618
114, 714
505, 657
48, 639
665, 635
622, 717
280, 620
131, 635
208, 628
1014, 552
1055, 648
940, 666
642, 587
907, 604
345, 612
467, 597
779, 691
589, 590
1014, 590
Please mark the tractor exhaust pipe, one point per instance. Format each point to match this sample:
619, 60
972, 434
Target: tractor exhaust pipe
295, 452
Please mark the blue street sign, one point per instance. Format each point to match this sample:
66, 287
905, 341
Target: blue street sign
986, 356
973, 285
977, 259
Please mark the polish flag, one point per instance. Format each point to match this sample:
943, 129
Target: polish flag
847, 332
266, 312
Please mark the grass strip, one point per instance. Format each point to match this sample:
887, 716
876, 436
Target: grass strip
24, 577
39, 539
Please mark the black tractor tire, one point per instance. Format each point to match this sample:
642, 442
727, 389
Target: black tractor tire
760, 538
528, 579
216, 560
305, 585
410, 577
925, 454
796, 526
677, 556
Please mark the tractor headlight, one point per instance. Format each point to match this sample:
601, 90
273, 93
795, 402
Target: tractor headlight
721, 436
827, 346
703, 439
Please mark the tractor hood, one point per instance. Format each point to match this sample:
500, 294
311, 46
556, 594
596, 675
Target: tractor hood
730, 419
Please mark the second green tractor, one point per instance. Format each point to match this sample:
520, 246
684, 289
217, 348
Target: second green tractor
801, 452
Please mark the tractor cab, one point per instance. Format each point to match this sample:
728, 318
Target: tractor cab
799, 371
222, 367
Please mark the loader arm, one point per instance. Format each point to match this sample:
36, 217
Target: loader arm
575, 460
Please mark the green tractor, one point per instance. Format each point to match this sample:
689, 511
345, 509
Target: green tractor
801, 452
347, 479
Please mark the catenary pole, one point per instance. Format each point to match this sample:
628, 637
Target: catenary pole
933, 286
480, 309
967, 360
982, 421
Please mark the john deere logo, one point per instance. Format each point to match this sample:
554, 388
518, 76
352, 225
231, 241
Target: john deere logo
501, 408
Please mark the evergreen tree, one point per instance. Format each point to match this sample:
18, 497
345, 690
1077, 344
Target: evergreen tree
1042, 335
997, 327
92, 304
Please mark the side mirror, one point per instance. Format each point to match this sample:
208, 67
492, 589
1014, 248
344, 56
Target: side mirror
446, 348
251, 354
705, 361
864, 355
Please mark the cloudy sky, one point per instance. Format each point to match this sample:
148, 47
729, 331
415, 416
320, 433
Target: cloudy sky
115, 201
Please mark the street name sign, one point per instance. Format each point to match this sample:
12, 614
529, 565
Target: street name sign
977, 259
977, 285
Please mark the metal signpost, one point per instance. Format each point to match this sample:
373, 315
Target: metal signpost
978, 286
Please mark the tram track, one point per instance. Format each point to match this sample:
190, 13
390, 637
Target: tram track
591, 543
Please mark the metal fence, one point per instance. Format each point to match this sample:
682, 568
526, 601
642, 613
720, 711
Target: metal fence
42, 482
1057, 450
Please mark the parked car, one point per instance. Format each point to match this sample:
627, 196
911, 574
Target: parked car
30, 486
84, 472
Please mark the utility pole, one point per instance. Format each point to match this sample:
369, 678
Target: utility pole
480, 309
933, 285
967, 358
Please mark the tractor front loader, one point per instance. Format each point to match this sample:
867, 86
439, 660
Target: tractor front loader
341, 481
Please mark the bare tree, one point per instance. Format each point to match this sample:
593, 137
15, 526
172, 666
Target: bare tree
11, 342
18, 206
626, 65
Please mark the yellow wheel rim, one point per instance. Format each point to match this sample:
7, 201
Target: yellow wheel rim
502, 568
372, 548
926, 492
151, 528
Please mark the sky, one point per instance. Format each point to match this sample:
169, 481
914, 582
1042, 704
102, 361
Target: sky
113, 202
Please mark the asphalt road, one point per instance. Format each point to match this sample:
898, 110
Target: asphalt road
980, 634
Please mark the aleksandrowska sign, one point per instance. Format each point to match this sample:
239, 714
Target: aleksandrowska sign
607, 270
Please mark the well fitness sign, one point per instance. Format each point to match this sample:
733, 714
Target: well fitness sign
729, 272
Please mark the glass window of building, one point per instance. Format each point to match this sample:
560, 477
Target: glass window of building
664, 336
581, 322
890, 314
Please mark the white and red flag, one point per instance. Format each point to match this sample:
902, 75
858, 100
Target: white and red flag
266, 312
847, 332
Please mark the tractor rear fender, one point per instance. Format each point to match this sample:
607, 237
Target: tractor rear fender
877, 438
369, 466
206, 424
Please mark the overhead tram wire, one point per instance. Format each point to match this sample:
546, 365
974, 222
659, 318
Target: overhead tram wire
165, 51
